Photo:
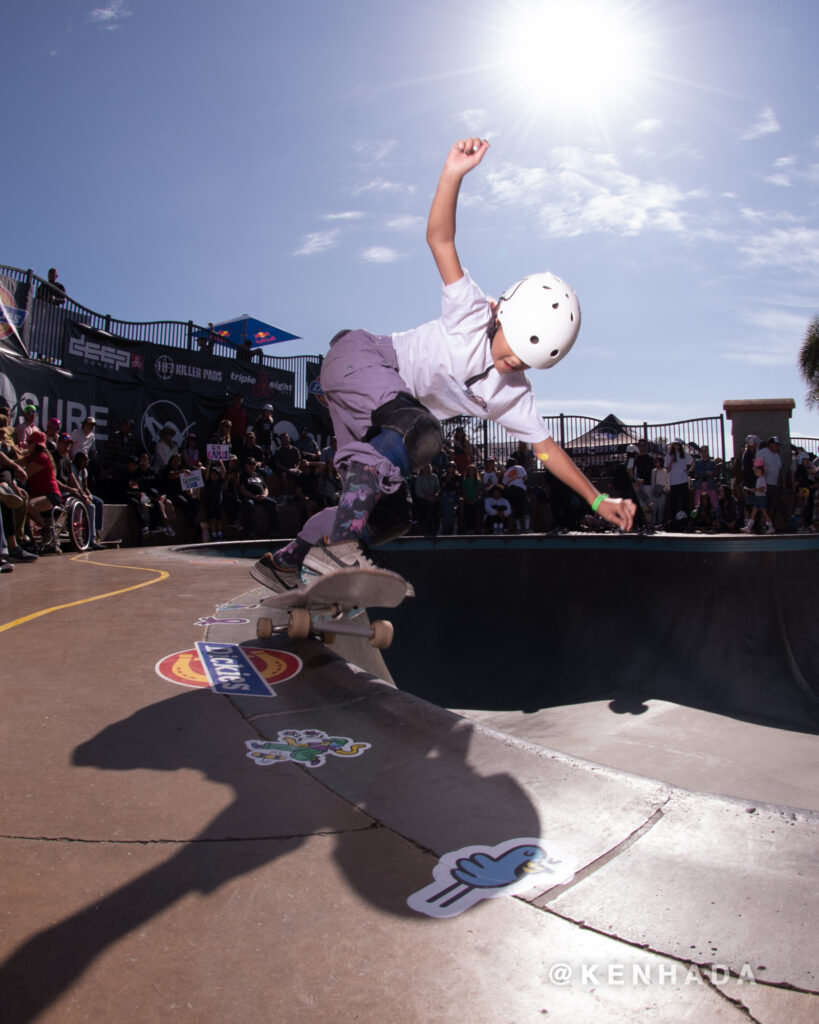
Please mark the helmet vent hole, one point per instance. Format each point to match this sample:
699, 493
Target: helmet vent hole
534, 339
555, 352
555, 305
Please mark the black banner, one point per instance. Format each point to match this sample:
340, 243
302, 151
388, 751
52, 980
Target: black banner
95, 352
115, 395
316, 402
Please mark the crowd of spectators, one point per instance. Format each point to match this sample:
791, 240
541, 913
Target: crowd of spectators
461, 493
682, 492
675, 487
241, 476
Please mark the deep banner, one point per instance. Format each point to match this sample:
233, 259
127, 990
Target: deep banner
113, 396
94, 352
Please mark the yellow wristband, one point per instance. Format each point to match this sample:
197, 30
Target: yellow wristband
542, 456
598, 501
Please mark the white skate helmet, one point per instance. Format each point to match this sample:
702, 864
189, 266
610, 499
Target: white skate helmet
751, 439
631, 449
540, 317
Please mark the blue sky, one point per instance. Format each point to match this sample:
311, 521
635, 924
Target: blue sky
199, 159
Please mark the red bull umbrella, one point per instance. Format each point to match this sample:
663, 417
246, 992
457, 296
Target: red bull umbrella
246, 328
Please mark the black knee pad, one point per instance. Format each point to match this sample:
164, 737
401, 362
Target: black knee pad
417, 427
391, 517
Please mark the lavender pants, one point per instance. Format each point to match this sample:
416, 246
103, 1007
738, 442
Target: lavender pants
359, 374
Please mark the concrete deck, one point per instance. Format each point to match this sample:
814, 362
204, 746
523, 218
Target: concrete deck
152, 871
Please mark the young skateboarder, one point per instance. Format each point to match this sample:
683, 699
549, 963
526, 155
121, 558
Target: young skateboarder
387, 393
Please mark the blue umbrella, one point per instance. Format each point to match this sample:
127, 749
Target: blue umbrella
246, 328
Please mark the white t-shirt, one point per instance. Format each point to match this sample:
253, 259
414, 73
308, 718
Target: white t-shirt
438, 358
515, 476
678, 469
497, 506
773, 464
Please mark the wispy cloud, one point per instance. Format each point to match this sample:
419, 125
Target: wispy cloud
579, 192
405, 222
375, 151
647, 125
474, 119
110, 17
380, 254
765, 124
796, 248
770, 340
318, 241
347, 215
783, 172
382, 187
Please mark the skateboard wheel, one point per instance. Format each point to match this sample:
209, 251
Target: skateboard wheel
382, 634
264, 629
300, 625
329, 638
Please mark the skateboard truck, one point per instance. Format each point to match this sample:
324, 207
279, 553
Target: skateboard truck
327, 622
334, 603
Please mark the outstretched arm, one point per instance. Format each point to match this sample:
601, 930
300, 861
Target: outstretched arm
618, 511
464, 155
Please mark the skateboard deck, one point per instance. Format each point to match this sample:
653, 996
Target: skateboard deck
330, 604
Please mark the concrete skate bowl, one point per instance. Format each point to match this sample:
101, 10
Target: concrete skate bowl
725, 625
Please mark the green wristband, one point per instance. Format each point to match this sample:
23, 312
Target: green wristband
598, 501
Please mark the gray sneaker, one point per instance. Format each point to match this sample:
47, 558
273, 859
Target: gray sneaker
323, 559
276, 572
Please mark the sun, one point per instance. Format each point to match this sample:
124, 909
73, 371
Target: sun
573, 55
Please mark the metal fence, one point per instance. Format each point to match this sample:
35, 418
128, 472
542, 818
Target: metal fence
595, 445
47, 330
806, 444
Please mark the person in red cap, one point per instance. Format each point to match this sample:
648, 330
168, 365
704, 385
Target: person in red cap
42, 486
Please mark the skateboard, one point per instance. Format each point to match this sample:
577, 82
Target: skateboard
328, 605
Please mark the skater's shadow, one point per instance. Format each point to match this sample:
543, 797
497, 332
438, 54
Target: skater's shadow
188, 732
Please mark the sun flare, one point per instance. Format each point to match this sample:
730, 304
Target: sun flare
575, 54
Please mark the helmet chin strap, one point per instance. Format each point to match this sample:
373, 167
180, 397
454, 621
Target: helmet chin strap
478, 376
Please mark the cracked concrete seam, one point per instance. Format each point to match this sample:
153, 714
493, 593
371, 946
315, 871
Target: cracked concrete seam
196, 841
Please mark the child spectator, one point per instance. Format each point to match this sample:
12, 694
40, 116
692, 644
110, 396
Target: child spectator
759, 508
704, 515
728, 511
514, 481
451, 491
190, 453
489, 475
212, 498
472, 493
497, 511
183, 499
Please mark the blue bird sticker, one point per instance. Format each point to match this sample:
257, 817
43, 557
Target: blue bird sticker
473, 873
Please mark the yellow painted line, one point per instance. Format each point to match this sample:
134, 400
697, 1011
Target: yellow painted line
162, 575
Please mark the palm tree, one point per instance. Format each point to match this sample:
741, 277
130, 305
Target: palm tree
809, 362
